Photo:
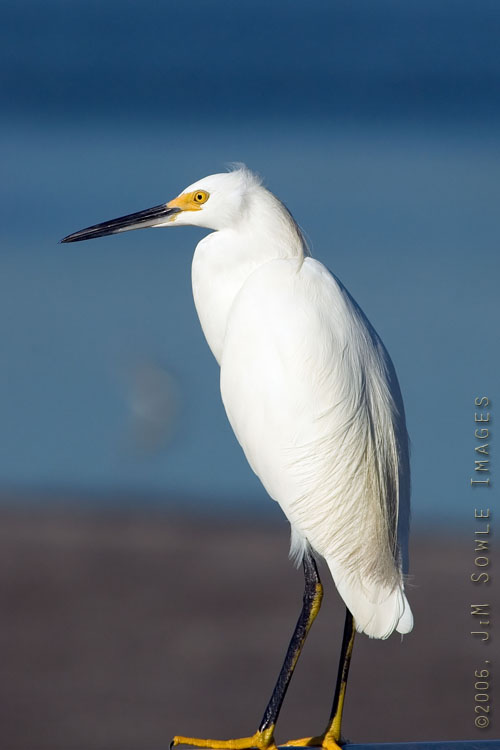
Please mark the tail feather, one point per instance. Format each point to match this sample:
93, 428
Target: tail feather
377, 610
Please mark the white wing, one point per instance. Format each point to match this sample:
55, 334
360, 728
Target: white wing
314, 401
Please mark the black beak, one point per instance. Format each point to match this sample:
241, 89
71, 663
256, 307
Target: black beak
149, 218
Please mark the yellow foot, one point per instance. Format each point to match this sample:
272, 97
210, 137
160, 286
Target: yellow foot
325, 741
261, 740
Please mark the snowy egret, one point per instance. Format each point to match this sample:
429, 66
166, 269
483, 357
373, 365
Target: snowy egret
314, 401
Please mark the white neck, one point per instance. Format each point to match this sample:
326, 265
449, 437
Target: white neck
225, 259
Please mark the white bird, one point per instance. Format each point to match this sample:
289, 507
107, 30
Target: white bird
314, 401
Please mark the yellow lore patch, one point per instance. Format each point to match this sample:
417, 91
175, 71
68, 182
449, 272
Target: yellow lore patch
190, 201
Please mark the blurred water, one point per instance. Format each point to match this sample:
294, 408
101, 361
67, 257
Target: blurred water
208, 56
379, 130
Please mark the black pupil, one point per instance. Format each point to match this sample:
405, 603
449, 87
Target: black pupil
199, 197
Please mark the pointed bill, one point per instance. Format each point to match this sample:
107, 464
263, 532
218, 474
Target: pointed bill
151, 217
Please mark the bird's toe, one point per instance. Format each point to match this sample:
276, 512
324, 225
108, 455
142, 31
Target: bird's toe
261, 740
324, 741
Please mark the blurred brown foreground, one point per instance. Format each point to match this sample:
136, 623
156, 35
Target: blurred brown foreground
120, 629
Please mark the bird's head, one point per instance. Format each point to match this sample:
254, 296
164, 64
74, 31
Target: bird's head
214, 202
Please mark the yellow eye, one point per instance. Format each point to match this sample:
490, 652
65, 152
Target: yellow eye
201, 196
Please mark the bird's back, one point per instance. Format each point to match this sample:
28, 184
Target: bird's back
314, 401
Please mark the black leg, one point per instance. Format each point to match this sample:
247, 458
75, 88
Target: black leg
330, 738
313, 594
334, 725
263, 739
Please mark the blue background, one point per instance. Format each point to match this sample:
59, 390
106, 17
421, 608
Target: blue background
377, 124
